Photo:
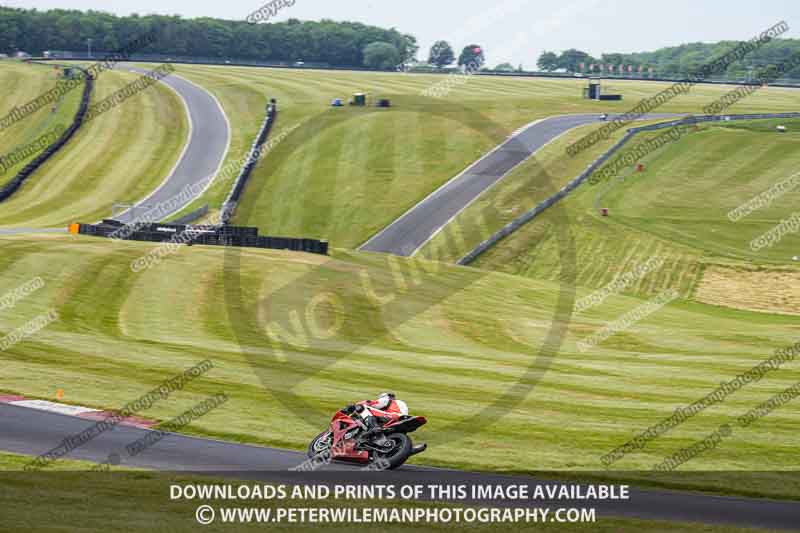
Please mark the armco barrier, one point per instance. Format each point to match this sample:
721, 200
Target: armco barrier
222, 235
526, 217
229, 206
16, 182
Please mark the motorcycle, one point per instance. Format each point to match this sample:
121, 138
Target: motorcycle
385, 448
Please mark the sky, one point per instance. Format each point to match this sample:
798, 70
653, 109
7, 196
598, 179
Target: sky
514, 31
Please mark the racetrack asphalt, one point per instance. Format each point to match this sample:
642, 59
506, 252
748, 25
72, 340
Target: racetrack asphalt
33, 432
202, 156
419, 224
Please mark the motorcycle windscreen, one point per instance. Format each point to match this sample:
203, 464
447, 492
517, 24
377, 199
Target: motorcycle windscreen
403, 407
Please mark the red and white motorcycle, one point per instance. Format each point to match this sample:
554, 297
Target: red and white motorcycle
386, 445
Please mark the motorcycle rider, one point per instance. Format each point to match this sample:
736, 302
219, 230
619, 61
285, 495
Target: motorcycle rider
370, 411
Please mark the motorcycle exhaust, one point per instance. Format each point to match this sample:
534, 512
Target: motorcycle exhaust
419, 448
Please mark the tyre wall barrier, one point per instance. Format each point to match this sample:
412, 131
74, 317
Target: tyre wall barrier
526, 217
223, 235
16, 182
230, 203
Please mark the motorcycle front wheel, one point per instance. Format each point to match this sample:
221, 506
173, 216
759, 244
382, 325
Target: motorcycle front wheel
322, 443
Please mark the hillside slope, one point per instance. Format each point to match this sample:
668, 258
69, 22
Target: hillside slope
367, 324
343, 174
120, 156
681, 211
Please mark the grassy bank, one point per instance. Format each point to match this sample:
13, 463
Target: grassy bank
345, 174
120, 333
120, 156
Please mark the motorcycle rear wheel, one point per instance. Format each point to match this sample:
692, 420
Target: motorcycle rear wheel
397, 455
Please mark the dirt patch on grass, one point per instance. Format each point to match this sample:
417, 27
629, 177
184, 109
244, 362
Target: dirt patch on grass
766, 291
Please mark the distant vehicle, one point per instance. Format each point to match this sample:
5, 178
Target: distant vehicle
299, 63
578, 75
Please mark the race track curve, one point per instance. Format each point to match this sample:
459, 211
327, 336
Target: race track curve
419, 224
33, 432
203, 154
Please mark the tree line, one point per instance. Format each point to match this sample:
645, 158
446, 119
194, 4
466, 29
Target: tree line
676, 61
349, 44
341, 44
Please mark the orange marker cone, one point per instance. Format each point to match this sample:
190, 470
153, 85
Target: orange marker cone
60, 394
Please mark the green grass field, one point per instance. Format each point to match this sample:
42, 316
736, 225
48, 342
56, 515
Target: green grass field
688, 190
20, 83
345, 174
120, 156
677, 210
528, 184
120, 333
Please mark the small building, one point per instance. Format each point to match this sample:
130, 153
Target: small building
594, 92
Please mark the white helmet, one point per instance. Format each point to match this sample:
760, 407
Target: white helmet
385, 400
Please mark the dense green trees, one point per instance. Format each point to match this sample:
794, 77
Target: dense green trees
472, 56
548, 61
441, 54
326, 41
342, 44
770, 72
680, 60
570, 60
381, 55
